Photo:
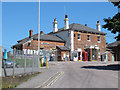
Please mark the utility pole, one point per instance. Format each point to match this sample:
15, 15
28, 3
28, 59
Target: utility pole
39, 36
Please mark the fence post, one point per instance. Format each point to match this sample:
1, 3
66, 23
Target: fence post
33, 64
24, 63
1, 65
14, 62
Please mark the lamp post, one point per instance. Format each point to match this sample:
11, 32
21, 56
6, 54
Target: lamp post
39, 36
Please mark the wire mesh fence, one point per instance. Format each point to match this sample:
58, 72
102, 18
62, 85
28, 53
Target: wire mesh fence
19, 63
23, 63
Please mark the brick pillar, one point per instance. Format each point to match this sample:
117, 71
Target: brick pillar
91, 54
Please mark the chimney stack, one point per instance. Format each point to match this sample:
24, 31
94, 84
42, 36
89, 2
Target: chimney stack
30, 33
98, 26
85, 24
55, 29
66, 23
41, 33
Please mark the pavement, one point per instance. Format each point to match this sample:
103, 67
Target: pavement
75, 75
19, 71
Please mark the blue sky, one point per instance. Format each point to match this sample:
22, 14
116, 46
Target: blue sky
19, 18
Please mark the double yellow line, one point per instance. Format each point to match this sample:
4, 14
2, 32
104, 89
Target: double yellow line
51, 80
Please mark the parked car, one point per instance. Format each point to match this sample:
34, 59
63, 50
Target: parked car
8, 63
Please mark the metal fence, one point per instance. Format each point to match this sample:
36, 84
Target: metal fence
20, 63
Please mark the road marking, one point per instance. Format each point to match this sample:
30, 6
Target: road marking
51, 80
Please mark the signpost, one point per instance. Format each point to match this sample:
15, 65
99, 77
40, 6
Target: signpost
5, 58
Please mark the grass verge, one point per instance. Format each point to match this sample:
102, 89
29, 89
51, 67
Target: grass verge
10, 82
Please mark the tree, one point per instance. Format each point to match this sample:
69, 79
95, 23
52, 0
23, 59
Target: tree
113, 24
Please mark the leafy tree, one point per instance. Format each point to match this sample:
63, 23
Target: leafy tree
113, 24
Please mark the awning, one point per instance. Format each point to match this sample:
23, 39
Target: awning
63, 48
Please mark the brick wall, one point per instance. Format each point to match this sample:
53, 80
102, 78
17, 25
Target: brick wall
43, 44
109, 56
64, 52
83, 41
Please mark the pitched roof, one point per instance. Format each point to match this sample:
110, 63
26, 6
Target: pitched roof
45, 37
49, 38
80, 27
21, 42
114, 44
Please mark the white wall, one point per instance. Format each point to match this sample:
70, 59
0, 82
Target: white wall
72, 40
29, 51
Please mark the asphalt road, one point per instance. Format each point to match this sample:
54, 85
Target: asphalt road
75, 75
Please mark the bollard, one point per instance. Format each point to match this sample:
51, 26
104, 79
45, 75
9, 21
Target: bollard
47, 64
39, 64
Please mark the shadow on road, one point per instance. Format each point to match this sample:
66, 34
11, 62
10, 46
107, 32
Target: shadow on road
114, 67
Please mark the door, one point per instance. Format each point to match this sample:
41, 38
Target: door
79, 54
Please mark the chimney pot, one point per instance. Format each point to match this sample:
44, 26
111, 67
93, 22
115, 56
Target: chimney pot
66, 16
98, 26
55, 25
30, 33
98, 22
66, 23
54, 19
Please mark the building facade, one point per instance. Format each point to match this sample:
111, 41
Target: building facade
115, 48
85, 43
48, 44
77, 41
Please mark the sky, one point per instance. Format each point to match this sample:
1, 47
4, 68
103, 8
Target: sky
19, 17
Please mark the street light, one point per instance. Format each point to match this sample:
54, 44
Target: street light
39, 36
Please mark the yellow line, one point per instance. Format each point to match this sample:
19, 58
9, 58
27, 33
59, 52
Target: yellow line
54, 80
51, 82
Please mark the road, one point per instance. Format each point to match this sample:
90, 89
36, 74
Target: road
74, 75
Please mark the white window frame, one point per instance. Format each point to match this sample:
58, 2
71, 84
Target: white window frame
97, 39
89, 38
79, 36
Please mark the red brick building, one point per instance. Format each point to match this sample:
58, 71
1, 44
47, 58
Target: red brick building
85, 43
29, 45
77, 41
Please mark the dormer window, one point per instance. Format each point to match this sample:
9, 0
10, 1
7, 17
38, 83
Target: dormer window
88, 37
